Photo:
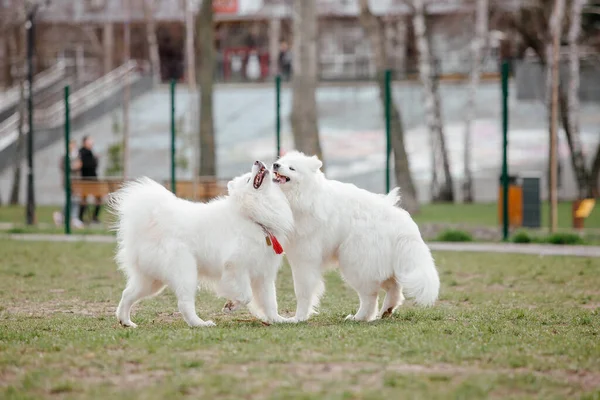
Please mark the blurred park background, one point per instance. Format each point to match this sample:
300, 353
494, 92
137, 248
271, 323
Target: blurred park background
222, 80
118, 58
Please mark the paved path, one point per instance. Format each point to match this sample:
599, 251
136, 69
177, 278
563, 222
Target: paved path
536, 249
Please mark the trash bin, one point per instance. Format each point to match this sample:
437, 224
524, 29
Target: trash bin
532, 201
515, 202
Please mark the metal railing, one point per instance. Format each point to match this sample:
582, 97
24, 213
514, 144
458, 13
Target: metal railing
88, 96
41, 81
80, 101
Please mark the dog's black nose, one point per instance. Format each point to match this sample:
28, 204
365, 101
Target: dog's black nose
276, 166
257, 163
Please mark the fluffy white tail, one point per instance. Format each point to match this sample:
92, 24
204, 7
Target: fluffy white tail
416, 272
134, 205
136, 197
393, 197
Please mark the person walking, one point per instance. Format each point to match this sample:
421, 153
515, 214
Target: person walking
89, 166
75, 164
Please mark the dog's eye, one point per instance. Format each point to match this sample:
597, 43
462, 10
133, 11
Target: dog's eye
248, 180
292, 168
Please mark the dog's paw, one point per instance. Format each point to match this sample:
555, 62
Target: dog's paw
127, 324
231, 306
283, 320
203, 324
350, 317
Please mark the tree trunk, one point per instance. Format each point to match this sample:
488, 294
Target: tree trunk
445, 192
304, 117
477, 44
13, 39
204, 26
126, 88
149, 9
6, 65
108, 44
374, 32
19, 153
553, 79
573, 133
595, 174
189, 45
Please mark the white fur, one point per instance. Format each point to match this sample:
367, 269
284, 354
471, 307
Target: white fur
167, 241
378, 246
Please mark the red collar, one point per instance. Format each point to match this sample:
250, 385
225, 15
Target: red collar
272, 240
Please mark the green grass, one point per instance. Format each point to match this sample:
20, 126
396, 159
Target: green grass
462, 215
16, 215
486, 214
506, 326
482, 214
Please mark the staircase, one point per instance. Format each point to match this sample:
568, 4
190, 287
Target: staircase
42, 82
87, 103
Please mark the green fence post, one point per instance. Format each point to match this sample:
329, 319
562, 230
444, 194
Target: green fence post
278, 114
173, 148
67, 174
388, 126
505, 71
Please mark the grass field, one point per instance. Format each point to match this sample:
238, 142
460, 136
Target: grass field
480, 214
506, 326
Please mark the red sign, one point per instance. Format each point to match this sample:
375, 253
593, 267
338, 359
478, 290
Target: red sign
225, 6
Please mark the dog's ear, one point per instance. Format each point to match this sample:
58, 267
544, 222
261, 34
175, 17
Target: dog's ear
315, 163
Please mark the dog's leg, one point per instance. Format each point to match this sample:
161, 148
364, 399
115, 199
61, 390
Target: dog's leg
393, 297
137, 288
308, 286
368, 307
265, 297
184, 282
235, 286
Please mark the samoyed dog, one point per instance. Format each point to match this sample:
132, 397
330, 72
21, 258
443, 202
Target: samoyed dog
232, 244
377, 245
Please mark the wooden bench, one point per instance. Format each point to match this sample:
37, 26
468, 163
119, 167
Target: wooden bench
96, 188
203, 189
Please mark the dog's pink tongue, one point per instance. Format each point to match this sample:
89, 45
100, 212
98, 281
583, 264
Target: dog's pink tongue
282, 179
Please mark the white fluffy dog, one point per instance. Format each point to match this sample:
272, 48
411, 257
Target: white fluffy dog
378, 246
231, 242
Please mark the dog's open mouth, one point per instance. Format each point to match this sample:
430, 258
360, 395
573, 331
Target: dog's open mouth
280, 178
260, 175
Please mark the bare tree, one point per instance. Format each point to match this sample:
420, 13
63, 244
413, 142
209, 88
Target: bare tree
577, 157
445, 190
20, 148
375, 33
189, 44
477, 45
16, 45
126, 88
206, 56
304, 117
149, 7
12, 18
553, 50
532, 23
